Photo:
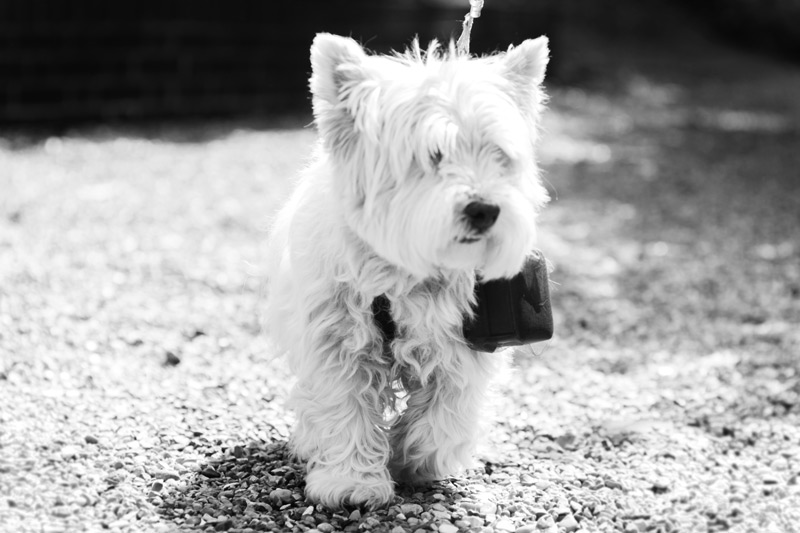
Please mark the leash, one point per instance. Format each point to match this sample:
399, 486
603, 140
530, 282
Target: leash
462, 45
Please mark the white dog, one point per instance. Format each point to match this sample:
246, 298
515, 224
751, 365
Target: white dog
424, 177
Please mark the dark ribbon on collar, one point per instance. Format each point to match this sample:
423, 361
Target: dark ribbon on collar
508, 312
382, 314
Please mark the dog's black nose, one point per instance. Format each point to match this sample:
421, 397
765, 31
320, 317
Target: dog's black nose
480, 215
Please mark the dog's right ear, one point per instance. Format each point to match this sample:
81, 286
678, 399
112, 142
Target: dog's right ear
337, 75
336, 65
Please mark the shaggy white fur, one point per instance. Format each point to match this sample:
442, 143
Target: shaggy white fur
407, 142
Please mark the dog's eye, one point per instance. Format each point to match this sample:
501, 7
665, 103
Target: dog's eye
503, 158
436, 158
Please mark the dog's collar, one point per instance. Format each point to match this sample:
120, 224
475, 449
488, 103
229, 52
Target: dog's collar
507, 312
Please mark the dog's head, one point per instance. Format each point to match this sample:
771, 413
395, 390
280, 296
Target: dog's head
434, 151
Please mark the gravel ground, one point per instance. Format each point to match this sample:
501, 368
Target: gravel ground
136, 393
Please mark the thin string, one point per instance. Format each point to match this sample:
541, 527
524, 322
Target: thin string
462, 45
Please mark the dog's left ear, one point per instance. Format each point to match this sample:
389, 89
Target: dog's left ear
524, 65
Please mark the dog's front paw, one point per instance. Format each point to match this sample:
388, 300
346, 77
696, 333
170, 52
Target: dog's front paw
335, 486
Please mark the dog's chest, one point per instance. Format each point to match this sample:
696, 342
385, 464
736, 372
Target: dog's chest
434, 311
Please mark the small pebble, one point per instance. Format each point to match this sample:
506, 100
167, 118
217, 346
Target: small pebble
562, 509
210, 472
411, 509
473, 522
630, 527
446, 527
504, 524
167, 474
61, 512
780, 464
660, 486
70, 452
170, 359
568, 523
90, 439
369, 523
223, 525
469, 506
441, 515
487, 508
545, 522
566, 440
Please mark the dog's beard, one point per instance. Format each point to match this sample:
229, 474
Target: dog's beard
419, 226
499, 252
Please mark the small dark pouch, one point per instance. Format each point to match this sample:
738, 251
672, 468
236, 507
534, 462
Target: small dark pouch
512, 312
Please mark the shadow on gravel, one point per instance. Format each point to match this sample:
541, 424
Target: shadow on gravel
259, 486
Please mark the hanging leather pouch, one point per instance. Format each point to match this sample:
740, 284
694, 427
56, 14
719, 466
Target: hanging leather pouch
512, 312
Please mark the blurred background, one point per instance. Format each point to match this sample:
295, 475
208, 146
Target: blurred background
93, 60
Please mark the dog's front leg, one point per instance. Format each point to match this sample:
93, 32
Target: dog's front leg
339, 400
437, 433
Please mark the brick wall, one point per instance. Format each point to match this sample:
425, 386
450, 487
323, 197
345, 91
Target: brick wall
63, 61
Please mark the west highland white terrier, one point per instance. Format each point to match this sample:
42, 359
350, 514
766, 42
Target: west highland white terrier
424, 180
